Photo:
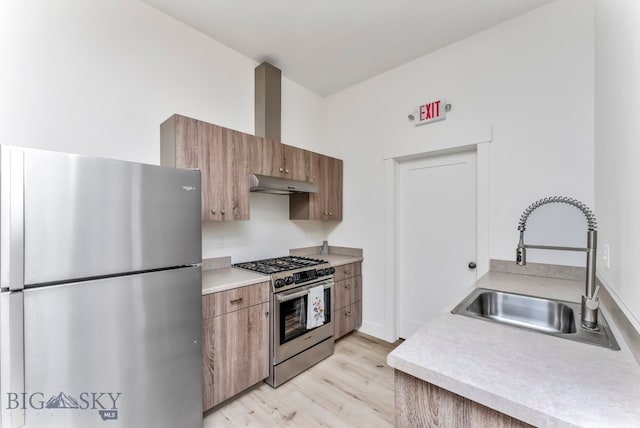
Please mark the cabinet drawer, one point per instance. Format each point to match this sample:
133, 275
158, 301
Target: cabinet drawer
347, 271
347, 291
232, 300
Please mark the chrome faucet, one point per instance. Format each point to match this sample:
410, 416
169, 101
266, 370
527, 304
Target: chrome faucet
590, 301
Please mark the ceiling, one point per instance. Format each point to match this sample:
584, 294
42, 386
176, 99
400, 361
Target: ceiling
328, 45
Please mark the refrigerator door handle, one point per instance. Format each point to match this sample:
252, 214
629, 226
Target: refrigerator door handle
16, 221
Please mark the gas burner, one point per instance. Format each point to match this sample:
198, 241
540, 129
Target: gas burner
279, 264
290, 271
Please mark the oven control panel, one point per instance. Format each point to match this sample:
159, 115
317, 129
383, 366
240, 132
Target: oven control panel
304, 276
298, 277
326, 271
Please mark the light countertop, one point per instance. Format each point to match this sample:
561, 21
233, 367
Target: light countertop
226, 278
338, 259
214, 280
542, 380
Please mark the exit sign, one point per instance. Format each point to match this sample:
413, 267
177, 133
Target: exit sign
431, 111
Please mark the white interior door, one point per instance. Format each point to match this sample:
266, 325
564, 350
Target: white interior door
437, 235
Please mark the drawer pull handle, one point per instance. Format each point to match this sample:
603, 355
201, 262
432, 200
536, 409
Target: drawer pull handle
234, 301
347, 286
347, 314
347, 272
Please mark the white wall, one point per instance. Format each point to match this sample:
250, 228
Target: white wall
98, 78
617, 145
527, 85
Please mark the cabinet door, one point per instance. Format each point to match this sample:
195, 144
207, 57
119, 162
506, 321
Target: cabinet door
326, 173
222, 155
347, 319
240, 351
224, 162
187, 150
342, 324
297, 163
333, 197
208, 361
356, 314
357, 288
267, 157
274, 159
326, 204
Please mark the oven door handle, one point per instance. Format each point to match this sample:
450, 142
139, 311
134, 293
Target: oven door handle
286, 297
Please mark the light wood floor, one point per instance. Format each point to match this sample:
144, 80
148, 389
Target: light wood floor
352, 388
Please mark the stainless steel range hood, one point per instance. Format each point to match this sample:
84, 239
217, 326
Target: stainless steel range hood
279, 186
267, 124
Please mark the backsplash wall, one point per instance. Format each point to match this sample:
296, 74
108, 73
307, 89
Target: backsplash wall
269, 233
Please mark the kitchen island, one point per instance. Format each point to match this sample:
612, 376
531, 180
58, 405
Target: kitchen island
535, 378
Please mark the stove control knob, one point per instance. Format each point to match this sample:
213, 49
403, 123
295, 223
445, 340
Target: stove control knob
332, 270
288, 280
279, 283
320, 272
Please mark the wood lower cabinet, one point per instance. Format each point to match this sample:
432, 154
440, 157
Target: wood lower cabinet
422, 404
235, 344
347, 293
275, 159
326, 204
223, 157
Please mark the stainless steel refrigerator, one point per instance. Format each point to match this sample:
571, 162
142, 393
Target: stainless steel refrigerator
100, 309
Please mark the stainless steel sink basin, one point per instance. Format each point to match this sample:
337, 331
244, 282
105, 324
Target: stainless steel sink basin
547, 316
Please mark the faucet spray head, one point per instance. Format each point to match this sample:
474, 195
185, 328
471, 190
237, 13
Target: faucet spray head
521, 251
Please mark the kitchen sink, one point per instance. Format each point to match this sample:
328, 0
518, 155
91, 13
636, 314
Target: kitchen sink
548, 316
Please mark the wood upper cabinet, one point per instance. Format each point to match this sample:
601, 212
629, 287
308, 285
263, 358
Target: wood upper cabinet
226, 158
275, 159
235, 343
326, 204
223, 157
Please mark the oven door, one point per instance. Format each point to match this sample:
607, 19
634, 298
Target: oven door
290, 334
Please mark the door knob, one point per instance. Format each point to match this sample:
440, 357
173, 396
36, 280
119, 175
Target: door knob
472, 265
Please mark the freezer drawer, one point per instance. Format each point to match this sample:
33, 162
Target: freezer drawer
73, 217
118, 352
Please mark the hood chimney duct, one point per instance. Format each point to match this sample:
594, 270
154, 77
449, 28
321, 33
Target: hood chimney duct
268, 101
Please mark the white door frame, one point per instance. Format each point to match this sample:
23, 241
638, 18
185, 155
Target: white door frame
391, 235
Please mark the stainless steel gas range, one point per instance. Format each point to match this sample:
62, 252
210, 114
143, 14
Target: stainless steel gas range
301, 288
